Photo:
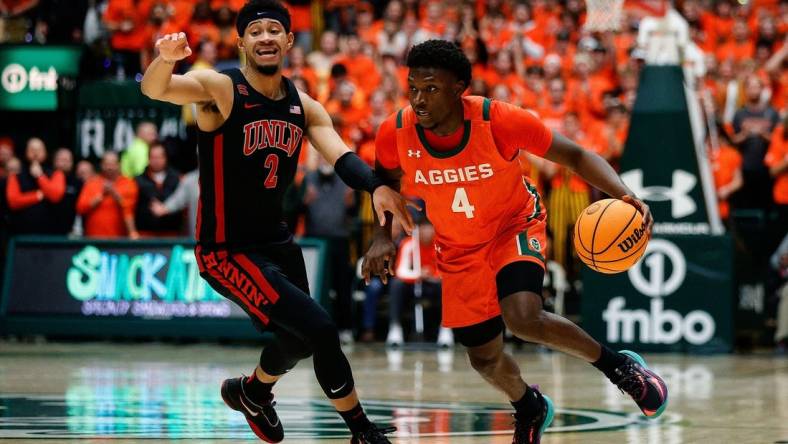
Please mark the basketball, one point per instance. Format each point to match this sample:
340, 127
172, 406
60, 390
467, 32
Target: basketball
610, 236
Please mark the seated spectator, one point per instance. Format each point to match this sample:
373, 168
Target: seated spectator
156, 185
134, 159
107, 202
415, 276
32, 193
65, 212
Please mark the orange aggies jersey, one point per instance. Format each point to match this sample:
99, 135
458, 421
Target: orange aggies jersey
470, 191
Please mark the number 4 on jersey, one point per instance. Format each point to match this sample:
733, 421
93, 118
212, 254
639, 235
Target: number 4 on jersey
461, 203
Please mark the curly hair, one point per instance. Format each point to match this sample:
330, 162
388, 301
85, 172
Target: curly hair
441, 54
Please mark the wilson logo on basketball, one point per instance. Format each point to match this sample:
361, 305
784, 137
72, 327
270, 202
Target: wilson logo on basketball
632, 239
271, 134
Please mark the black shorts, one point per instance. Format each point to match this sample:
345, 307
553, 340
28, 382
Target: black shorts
255, 279
513, 278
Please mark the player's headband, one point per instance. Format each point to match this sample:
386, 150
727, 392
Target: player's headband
249, 15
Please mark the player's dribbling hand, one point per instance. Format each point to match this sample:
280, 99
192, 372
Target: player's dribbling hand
648, 220
385, 199
173, 47
379, 260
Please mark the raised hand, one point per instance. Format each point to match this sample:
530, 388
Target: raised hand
173, 47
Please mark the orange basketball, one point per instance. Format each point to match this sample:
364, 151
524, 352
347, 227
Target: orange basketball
610, 236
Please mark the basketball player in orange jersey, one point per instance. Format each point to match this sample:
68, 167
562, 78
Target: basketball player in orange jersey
459, 155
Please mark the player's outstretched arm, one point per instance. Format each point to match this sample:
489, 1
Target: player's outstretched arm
159, 83
596, 171
349, 167
379, 259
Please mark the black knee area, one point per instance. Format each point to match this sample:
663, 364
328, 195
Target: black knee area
479, 334
520, 276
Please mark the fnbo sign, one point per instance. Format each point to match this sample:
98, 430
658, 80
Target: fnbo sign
29, 75
677, 297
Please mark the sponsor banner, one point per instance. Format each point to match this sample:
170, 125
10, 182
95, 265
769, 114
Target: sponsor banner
662, 163
121, 280
108, 113
679, 297
30, 76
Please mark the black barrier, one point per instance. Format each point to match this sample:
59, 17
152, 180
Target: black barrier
121, 288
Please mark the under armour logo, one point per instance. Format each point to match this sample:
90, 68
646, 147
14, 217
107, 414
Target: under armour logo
437, 248
681, 204
416, 154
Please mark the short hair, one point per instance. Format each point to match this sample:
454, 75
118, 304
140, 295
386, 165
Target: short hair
441, 54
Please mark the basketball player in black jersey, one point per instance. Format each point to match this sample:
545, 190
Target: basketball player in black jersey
251, 122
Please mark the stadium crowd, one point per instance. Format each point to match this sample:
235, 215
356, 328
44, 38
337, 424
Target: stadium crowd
349, 55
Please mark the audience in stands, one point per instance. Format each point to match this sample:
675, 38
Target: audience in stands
134, 159
156, 185
107, 202
33, 192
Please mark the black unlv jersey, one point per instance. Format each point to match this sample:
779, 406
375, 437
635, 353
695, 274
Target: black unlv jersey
246, 165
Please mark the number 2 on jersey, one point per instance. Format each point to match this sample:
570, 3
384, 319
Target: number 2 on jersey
461, 203
272, 162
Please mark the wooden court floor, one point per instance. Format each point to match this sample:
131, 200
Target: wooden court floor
154, 393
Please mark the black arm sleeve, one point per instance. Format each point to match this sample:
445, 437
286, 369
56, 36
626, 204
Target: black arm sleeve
355, 173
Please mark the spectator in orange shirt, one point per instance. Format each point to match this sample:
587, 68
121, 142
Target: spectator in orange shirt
777, 161
555, 105
509, 73
228, 36
361, 69
366, 27
741, 47
107, 202
496, 33
297, 67
125, 19
33, 193
301, 22
718, 24
202, 27
726, 167
435, 20
347, 111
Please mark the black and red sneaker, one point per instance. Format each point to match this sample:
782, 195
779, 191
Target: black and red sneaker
645, 387
260, 414
373, 435
529, 429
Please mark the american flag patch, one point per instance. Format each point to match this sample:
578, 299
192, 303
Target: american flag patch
295, 109
242, 90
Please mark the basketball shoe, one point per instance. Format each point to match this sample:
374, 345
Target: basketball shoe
645, 387
373, 435
529, 429
260, 414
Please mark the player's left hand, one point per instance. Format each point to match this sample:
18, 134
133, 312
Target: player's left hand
386, 199
648, 220
379, 260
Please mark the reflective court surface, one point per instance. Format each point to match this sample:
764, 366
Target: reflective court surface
156, 393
